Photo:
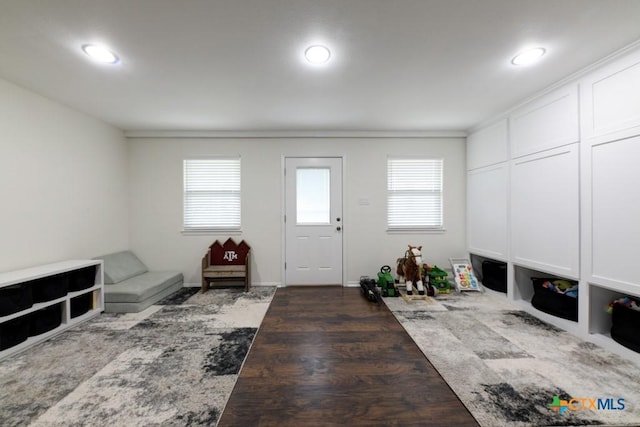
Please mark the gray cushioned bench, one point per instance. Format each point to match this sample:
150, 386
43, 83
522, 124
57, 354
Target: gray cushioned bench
130, 287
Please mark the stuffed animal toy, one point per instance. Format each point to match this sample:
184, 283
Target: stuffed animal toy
409, 268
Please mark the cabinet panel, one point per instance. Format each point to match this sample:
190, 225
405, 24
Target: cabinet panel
545, 211
611, 99
487, 211
548, 122
488, 146
615, 211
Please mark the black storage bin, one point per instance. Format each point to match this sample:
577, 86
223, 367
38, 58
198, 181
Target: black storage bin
625, 328
44, 320
81, 304
13, 332
494, 275
82, 279
15, 298
50, 288
552, 302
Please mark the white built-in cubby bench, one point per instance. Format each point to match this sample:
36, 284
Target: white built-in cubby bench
39, 302
552, 191
478, 264
523, 293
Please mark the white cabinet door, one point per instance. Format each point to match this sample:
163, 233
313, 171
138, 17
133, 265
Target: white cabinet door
615, 214
488, 146
545, 218
487, 195
610, 101
548, 122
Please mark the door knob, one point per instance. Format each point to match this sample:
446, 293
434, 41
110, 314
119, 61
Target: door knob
338, 228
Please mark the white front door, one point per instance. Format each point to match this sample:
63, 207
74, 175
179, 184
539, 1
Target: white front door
313, 221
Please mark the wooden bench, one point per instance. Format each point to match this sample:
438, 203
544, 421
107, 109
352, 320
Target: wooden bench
226, 262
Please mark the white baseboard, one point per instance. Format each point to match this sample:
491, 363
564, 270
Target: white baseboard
276, 284
197, 285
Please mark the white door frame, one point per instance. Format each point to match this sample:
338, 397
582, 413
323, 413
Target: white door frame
345, 219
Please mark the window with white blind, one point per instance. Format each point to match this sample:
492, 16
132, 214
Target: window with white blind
212, 194
414, 194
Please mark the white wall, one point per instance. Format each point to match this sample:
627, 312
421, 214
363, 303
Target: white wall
155, 169
63, 182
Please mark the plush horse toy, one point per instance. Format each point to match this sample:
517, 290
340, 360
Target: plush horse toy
409, 267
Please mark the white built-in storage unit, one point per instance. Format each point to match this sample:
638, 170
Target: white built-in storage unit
487, 189
553, 192
39, 302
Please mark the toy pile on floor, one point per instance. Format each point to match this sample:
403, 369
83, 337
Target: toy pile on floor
428, 280
435, 279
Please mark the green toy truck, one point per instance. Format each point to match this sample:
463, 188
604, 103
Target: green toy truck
386, 283
438, 279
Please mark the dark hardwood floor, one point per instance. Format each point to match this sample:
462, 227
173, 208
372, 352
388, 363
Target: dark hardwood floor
325, 356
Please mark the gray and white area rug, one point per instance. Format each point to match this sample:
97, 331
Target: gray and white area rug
174, 364
511, 369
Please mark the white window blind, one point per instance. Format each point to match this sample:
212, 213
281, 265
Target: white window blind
414, 193
212, 194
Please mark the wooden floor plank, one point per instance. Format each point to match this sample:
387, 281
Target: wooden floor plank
324, 356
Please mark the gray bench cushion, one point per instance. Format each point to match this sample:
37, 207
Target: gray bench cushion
121, 266
142, 287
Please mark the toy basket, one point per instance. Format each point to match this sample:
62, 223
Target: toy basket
625, 328
15, 298
494, 275
554, 303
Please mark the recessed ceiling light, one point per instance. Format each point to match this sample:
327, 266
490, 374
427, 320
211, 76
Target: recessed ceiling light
317, 54
100, 54
528, 56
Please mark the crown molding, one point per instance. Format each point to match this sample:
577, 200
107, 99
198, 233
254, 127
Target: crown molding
292, 134
573, 78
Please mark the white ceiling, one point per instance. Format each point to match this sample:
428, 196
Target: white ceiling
237, 65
